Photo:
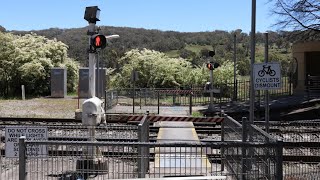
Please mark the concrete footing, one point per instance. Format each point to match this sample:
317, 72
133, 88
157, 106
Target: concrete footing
78, 115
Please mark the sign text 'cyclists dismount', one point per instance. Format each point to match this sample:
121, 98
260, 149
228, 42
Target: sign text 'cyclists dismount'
267, 76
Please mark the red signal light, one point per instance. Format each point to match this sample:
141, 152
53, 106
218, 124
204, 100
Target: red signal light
98, 41
209, 66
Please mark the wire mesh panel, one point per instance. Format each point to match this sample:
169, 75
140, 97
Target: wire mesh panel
65, 132
111, 99
8, 167
301, 149
263, 162
232, 129
254, 162
116, 155
232, 157
119, 160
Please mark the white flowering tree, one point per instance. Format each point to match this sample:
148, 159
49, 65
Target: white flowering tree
28, 59
156, 70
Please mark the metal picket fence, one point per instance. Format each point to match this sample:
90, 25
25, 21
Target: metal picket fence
172, 96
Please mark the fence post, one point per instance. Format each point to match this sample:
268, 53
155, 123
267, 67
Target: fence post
22, 158
257, 105
141, 173
290, 79
145, 96
143, 151
190, 104
222, 139
158, 102
23, 92
140, 97
243, 149
220, 96
279, 157
235, 89
105, 101
308, 86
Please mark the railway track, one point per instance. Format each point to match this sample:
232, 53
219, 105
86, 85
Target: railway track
119, 118
309, 128
37, 120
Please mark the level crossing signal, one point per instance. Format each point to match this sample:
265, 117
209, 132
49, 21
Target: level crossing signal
98, 41
212, 66
212, 53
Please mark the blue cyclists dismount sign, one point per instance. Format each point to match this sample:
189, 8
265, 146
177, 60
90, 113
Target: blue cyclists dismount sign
267, 76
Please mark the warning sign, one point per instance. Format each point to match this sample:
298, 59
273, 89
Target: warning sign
267, 76
13, 133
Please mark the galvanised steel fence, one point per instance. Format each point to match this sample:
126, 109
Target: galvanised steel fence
172, 96
254, 162
9, 167
301, 149
249, 154
184, 159
110, 99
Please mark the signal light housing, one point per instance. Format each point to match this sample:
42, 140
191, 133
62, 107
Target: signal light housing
212, 53
98, 41
212, 66
92, 14
209, 66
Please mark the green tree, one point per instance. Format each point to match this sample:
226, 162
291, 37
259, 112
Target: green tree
158, 70
27, 60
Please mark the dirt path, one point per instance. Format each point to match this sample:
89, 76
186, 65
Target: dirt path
39, 107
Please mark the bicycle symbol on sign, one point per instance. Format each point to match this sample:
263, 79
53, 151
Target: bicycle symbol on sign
266, 70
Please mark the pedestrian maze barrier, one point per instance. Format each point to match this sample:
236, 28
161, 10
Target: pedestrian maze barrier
171, 157
177, 152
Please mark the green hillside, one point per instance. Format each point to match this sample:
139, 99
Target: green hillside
192, 46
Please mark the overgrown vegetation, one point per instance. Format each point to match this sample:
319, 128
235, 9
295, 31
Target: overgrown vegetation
158, 70
27, 60
193, 46
162, 58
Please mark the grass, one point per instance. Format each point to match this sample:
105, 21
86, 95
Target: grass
194, 48
173, 53
39, 107
74, 94
196, 114
197, 48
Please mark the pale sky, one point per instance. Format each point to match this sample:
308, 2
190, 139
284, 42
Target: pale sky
175, 15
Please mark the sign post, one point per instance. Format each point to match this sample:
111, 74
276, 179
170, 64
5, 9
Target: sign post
134, 78
266, 98
267, 76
